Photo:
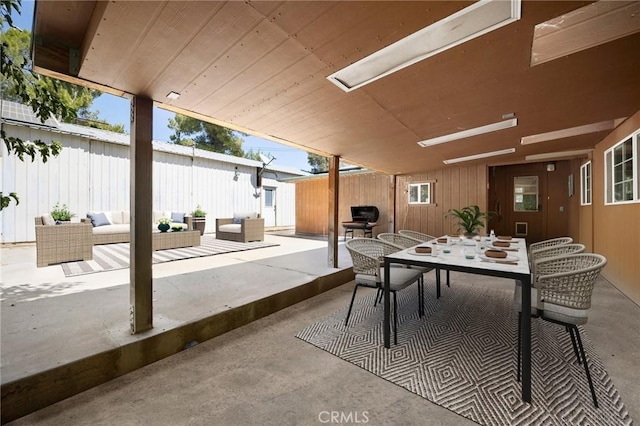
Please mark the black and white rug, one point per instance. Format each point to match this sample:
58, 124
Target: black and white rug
462, 356
107, 257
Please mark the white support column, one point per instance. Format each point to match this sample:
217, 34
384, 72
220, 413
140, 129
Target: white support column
141, 286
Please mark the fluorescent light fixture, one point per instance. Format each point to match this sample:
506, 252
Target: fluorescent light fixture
470, 132
589, 26
478, 156
572, 131
466, 24
173, 95
559, 154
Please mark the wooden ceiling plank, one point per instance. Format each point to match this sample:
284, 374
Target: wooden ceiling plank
195, 63
120, 30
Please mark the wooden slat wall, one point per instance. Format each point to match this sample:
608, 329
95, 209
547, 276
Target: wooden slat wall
454, 187
355, 189
616, 227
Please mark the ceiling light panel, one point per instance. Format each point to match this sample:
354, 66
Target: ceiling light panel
470, 132
466, 24
479, 156
559, 154
572, 131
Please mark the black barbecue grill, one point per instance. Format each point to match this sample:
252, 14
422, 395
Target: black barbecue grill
362, 217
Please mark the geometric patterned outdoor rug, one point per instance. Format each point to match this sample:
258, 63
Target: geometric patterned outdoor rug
461, 355
107, 257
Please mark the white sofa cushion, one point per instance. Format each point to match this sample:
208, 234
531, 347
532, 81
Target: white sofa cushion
232, 227
47, 219
111, 229
115, 217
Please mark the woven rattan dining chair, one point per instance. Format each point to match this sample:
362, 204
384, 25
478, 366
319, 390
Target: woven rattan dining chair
549, 243
404, 242
367, 255
565, 285
536, 256
418, 236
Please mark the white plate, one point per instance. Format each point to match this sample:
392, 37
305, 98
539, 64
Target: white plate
414, 252
509, 258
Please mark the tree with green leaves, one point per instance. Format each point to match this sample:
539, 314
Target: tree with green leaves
30, 89
211, 137
92, 119
318, 163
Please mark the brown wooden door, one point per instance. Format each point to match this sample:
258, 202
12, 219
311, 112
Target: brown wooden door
550, 218
535, 220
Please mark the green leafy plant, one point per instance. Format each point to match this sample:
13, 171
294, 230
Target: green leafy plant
61, 213
470, 219
164, 220
176, 228
198, 212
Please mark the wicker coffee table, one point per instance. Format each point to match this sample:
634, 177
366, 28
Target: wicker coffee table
170, 240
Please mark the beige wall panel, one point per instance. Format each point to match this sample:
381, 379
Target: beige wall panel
616, 227
455, 187
355, 190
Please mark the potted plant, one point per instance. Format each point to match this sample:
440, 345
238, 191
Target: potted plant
470, 219
164, 224
61, 213
199, 219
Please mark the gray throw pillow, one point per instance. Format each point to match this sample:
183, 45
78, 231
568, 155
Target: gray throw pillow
98, 219
177, 217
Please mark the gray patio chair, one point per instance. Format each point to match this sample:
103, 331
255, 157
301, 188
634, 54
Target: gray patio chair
418, 236
565, 284
367, 255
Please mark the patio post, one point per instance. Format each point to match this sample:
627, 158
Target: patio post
334, 192
141, 285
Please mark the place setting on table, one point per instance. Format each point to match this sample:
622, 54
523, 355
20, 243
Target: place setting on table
491, 249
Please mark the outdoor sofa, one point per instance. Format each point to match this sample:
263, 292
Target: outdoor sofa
70, 241
117, 229
242, 227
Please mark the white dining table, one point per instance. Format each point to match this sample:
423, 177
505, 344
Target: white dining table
514, 266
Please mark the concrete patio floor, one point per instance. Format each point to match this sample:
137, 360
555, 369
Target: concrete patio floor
256, 374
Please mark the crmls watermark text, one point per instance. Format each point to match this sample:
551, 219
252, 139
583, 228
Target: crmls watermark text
342, 417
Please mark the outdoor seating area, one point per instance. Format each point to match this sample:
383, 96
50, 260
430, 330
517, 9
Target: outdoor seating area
71, 241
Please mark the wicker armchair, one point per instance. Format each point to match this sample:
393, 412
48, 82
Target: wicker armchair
536, 256
549, 243
418, 236
63, 243
565, 285
367, 255
250, 230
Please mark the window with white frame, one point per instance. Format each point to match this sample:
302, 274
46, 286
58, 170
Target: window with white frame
622, 181
420, 193
585, 184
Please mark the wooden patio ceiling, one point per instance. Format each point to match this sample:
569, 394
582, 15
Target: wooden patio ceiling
261, 67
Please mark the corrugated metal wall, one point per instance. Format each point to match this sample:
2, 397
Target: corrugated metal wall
91, 175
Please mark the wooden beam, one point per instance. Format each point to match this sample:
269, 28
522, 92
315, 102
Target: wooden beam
334, 192
141, 286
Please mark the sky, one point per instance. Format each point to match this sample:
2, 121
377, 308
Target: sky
115, 110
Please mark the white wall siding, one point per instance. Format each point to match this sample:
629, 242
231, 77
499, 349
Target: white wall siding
93, 175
